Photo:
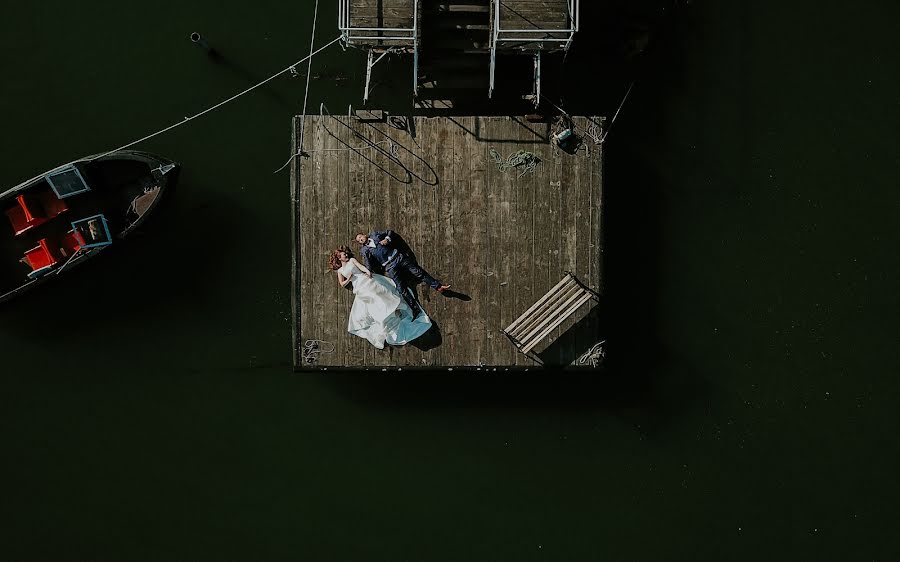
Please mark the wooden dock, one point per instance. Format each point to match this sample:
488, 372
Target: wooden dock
386, 14
533, 15
502, 238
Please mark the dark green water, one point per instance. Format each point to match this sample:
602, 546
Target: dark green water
148, 409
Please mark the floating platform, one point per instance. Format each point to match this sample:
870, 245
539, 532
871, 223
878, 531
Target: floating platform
501, 238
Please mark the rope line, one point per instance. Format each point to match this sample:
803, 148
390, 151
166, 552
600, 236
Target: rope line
312, 40
617, 112
220, 104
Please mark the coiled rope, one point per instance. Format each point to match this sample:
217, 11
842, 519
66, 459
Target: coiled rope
527, 160
312, 349
594, 356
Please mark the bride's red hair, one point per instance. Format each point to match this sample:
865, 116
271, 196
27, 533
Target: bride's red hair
334, 260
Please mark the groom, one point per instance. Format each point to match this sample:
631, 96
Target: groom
381, 252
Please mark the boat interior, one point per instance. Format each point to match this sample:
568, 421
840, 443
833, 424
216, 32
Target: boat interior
68, 211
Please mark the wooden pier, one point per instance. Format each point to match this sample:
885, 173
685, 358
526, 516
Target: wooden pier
545, 19
502, 238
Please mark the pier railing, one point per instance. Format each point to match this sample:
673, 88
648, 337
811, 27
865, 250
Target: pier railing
532, 39
392, 39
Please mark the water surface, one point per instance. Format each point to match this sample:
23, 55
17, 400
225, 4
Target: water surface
149, 410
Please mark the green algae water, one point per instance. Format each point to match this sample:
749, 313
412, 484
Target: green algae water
147, 405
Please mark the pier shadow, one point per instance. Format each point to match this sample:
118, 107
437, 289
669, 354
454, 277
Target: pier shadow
369, 145
433, 180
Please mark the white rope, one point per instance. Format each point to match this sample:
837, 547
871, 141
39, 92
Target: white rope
595, 355
312, 40
312, 349
220, 104
617, 112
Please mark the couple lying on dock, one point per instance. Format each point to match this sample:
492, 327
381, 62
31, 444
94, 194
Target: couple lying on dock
385, 309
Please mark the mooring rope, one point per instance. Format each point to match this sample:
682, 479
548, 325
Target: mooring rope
312, 40
312, 349
220, 104
617, 112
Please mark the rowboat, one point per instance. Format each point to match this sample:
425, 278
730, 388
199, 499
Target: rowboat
62, 218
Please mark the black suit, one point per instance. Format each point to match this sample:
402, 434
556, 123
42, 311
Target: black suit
396, 263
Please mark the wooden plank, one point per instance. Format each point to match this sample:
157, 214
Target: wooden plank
583, 159
412, 207
503, 282
374, 6
456, 328
433, 235
490, 303
371, 218
533, 15
448, 187
595, 280
331, 303
356, 205
341, 238
544, 241
387, 21
313, 251
525, 248
475, 223
561, 228
569, 219
295, 246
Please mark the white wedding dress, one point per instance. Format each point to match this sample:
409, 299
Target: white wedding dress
378, 313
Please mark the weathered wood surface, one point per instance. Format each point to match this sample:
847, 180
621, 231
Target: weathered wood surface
397, 14
535, 15
500, 239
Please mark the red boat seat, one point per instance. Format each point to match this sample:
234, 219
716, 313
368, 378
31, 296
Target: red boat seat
40, 258
71, 242
32, 210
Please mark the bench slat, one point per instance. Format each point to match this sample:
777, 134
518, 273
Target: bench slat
547, 308
568, 278
559, 320
526, 340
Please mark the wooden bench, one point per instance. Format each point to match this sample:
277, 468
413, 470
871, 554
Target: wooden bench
550, 311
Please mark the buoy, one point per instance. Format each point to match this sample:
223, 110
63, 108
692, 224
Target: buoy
199, 40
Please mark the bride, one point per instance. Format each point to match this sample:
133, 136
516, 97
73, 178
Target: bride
378, 313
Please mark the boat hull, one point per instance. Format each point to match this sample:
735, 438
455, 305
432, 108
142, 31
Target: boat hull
121, 190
